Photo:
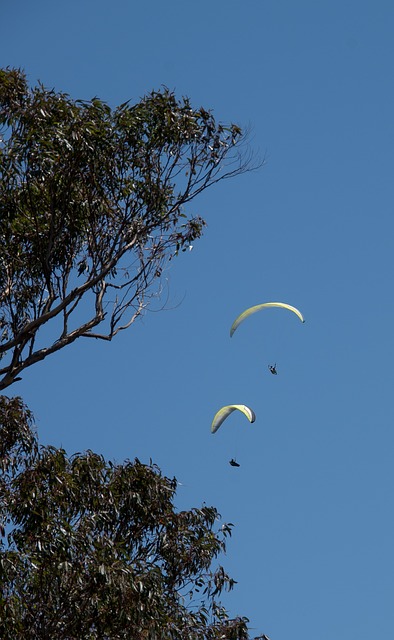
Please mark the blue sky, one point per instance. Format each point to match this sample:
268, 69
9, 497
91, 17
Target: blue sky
311, 502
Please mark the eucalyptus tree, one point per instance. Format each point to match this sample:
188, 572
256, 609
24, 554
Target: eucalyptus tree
94, 202
90, 549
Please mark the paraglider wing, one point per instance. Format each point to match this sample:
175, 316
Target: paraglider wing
224, 412
258, 307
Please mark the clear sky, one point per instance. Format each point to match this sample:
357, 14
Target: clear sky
312, 502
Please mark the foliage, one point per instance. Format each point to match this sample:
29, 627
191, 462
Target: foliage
92, 207
98, 550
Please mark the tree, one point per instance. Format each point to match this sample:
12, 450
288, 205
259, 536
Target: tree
92, 205
97, 550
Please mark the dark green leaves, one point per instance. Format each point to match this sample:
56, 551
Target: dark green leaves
98, 550
93, 201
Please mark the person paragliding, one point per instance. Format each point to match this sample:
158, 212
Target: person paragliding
234, 463
273, 370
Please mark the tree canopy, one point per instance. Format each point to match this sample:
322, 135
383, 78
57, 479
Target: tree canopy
95, 549
92, 206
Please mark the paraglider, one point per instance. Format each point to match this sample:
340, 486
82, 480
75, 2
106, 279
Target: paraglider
258, 307
225, 411
273, 370
234, 463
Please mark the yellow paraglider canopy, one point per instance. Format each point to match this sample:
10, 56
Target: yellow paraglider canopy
251, 310
224, 412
